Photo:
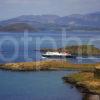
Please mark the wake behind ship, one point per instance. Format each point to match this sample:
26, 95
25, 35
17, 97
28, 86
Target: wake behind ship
58, 55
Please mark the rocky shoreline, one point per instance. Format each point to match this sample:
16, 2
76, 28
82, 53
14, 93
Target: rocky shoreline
81, 87
91, 97
88, 94
46, 65
54, 65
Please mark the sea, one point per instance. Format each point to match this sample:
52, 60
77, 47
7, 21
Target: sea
25, 46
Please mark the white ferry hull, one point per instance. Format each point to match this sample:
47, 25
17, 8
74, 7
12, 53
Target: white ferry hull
59, 56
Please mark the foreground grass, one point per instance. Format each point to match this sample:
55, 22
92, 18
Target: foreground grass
47, 65
85, 80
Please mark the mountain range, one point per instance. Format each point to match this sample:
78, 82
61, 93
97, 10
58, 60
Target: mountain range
51, 22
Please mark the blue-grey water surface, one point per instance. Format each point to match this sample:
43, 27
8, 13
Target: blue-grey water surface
43, 85
10, 43
38, 85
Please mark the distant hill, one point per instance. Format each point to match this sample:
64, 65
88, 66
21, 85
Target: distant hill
34, 20
92, 19
52, 22
17, 27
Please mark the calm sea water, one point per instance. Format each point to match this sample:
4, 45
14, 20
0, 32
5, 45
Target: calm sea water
39, 85
46, 85
15, 48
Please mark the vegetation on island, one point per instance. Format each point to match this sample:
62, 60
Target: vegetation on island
84, 50
47, 65
85, 80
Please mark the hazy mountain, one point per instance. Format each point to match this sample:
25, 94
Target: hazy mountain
80, 20
51, 22
31, 19
18, 27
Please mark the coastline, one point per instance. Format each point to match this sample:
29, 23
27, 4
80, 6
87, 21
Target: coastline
47, 65
54, 65
83, 85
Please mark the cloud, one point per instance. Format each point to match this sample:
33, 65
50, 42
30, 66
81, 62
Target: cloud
13, 1
22, 1
60, 7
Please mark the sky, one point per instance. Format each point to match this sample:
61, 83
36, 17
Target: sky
14, 8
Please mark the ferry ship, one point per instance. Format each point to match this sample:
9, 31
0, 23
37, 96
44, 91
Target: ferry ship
58, 55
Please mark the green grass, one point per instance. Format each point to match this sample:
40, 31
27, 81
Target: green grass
47, 65
87, 80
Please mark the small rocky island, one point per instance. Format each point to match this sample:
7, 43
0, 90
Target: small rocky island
78, 50
46, 65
